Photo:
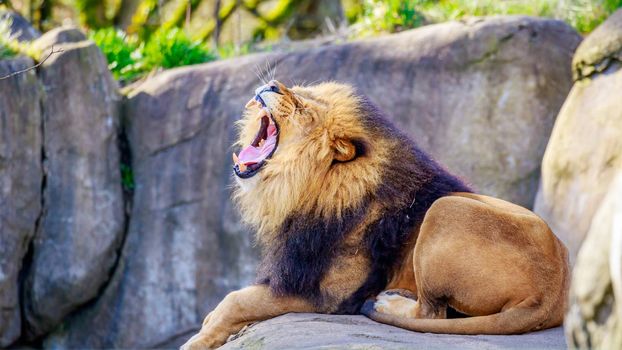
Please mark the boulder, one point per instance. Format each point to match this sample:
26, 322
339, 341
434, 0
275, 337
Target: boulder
601, 49
59, 35
20, 183
20, 28
82, 227
309, 331
481, 96
594, 320
585, 149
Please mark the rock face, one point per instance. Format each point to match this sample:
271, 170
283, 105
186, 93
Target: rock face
308, 331
480, 96
595, 317
585, 150
60, 35
20, 28
601, 49
82, 225
20, 183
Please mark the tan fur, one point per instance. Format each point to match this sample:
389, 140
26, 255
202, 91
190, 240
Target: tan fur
512, 280
479, 255
299, 176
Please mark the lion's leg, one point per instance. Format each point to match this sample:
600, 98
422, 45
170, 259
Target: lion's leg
240, 308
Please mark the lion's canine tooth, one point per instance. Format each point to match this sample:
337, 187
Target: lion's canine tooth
242, 167
262, 142
235, 158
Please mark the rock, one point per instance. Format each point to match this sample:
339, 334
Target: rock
309, 331
82, 227
59, 35
602, 48
20, 183
584, 152
20, 28
594, 320
481, 96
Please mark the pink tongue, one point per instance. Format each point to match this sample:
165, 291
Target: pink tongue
252, 155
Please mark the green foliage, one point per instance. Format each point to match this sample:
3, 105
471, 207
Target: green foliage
120, 51
173, 48
390, 16
127, 177
128, 59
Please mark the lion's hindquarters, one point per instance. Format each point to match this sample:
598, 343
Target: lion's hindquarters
483, 261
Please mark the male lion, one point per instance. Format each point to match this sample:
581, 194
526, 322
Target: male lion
348, 209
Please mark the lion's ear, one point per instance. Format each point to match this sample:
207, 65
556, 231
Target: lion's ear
344, 149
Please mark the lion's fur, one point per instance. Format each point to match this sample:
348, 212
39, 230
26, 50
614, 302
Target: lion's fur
299, 178
308, 209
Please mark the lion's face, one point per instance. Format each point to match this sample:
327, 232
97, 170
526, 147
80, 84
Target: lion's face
304, 150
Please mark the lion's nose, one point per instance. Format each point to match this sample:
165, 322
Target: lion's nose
272, 86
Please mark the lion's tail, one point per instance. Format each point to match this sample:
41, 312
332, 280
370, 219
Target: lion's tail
511, 321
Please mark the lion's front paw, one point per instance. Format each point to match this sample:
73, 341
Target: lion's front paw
201, 341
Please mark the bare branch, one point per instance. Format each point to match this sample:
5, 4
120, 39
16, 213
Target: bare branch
52, 51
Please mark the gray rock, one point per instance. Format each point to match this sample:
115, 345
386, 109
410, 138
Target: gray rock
59, 35
602, 48
313, 331
480, 96
594, 320
20, 183
82, 226
583, 154
20, 28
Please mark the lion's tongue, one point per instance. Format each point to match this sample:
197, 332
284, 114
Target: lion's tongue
252, 155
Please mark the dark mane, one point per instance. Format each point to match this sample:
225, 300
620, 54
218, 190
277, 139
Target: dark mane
411, 183
298, 264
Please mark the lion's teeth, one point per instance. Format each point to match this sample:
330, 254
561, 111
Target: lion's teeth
262, 142
236, 160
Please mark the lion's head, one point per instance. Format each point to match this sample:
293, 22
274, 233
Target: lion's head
315, 150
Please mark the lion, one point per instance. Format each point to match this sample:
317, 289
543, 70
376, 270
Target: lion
352, 217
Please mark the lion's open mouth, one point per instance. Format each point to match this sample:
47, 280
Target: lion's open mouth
254, 156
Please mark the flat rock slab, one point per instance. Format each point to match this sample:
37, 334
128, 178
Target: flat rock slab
314, 331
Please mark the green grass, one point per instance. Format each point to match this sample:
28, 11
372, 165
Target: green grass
127, 177
129, 58
391, 16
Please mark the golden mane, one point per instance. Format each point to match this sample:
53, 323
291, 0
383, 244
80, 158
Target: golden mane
303, 175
